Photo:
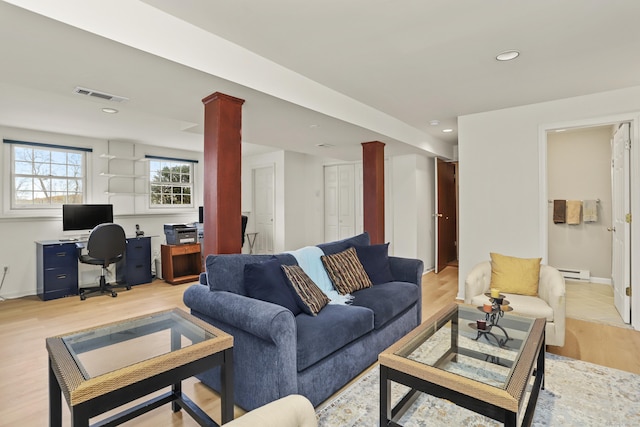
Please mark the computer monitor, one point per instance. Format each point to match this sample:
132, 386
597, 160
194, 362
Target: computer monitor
85, 217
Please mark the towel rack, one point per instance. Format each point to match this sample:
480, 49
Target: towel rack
597, 201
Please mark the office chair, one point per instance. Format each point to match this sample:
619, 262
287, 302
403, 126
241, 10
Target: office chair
105, 246
244, 227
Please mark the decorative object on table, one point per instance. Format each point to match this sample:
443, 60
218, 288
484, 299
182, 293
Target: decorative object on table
493, 311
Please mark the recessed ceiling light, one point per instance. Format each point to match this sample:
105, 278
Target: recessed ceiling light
447, 130
508, 55
434, 122
313, 126
109, 110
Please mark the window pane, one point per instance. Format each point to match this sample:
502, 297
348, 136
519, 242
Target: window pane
41, 169
23, 168
59, 157
58, 170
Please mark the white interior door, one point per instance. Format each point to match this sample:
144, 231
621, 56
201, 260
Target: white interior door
263, 203
621, 241
330, 203
339, 202
347, 204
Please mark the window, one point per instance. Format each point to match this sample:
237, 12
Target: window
44, 176
171, 182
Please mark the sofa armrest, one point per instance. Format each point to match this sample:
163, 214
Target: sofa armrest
551, 288
477, 281
269, 322
406, 269
264, 344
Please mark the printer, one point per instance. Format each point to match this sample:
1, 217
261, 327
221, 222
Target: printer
178, 234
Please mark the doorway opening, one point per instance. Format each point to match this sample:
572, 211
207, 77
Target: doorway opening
586, 170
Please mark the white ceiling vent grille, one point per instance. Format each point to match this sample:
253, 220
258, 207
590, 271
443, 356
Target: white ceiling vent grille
97, 94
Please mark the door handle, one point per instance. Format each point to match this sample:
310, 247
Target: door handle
439, 215
611, 228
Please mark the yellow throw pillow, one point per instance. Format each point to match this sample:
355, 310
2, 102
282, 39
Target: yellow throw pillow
515, 275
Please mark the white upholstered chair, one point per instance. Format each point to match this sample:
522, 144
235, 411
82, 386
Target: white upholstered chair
290, 411
550, 302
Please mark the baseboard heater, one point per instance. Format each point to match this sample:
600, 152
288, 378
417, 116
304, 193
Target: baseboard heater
573, 274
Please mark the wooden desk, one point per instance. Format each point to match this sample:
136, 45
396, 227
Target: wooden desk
181, 263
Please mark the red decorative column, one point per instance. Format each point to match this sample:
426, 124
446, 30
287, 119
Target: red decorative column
373, 189
222, 174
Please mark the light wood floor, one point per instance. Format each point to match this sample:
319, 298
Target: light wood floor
26, 322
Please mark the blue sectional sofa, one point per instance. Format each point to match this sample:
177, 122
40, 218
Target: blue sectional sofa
277, 353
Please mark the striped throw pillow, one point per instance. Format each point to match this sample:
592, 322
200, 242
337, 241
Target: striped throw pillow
311, 298
346, 271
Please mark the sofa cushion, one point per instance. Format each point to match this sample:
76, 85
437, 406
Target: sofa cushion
310, 297
375, 260
387, 300
341, 245
333, 328
226, 272
266, 281
515, 275
346, 271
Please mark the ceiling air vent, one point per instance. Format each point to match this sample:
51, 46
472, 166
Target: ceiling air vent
97, 94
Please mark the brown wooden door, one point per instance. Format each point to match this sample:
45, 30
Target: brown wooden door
446, 215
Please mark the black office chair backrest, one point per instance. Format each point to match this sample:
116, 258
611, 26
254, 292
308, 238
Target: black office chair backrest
244, 227
107, 241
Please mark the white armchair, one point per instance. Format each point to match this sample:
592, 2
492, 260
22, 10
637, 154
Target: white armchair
290, 411
550, 302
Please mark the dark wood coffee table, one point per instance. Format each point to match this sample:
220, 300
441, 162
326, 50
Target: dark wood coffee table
447, 358
103, 368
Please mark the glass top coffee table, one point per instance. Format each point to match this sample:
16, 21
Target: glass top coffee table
105, 367
446, 357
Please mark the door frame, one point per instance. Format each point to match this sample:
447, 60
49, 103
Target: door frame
634, 120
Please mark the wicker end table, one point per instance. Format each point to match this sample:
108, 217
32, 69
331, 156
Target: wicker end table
103, 368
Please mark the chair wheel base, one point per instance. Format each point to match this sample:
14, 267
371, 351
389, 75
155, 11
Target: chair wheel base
114, 294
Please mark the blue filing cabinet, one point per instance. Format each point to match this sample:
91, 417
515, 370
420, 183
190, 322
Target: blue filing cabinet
135, 267
57, 269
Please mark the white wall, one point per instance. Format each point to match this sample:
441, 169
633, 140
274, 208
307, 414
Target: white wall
501, 196
20, 230
412, 199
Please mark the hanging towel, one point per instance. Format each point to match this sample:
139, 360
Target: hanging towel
573, 211
559, 211
590, 211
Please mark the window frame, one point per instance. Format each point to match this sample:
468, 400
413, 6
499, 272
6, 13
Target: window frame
13, 204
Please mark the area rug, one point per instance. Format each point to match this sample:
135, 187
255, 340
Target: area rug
576, 394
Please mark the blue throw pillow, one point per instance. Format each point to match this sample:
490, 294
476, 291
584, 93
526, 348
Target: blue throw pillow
266, 281
375, 260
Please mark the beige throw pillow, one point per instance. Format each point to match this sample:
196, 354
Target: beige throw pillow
513, 275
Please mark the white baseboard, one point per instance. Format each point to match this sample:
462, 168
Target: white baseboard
601, 280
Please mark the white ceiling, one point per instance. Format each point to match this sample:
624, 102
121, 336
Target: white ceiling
311, 72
